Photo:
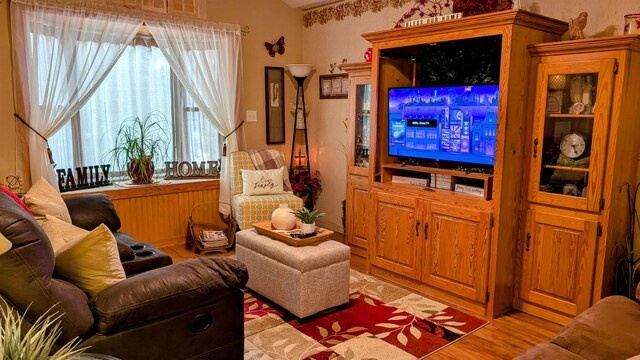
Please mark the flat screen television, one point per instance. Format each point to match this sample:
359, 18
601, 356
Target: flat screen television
449, 123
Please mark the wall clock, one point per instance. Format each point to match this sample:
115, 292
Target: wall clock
573, 145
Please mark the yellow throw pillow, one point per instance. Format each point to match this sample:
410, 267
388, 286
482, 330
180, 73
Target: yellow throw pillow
60, 232
43, 199
91, 262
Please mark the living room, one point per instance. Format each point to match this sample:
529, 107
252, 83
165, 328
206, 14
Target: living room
324, 39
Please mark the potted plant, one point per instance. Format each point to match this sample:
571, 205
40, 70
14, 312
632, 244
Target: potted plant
138, 142
308, 219
38, 342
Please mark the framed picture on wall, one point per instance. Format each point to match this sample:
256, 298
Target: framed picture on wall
274, 102
334, 86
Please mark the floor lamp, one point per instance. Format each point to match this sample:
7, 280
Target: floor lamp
300, 72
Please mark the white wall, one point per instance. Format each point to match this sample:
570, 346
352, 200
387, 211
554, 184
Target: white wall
331, 42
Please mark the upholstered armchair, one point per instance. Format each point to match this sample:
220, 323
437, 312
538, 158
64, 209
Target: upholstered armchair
248, 209
189, 310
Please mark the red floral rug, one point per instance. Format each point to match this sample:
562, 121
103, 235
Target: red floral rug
381, 321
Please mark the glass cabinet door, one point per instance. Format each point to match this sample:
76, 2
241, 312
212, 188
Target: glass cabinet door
360, 124
363, 117
573, 102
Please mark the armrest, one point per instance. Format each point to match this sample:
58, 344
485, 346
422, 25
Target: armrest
89, 211
161, 292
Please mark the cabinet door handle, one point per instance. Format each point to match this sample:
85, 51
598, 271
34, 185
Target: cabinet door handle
426, 230
417, 228
535, 148
527, 242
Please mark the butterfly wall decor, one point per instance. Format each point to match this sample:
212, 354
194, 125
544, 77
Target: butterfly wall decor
275, 47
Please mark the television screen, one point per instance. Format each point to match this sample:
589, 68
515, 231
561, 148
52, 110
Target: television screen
451, 123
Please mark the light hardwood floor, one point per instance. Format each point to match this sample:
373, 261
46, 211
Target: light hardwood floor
504, 338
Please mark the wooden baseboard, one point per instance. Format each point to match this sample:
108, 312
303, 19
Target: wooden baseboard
544, 313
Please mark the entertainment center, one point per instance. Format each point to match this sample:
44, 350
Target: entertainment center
464, 103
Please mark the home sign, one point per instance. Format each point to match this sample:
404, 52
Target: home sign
191, 170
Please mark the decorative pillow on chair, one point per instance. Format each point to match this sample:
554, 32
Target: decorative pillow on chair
60, 232
91, 262
43, 199
262, 182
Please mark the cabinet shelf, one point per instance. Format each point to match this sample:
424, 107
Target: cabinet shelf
434, 170
568, 168
457, 177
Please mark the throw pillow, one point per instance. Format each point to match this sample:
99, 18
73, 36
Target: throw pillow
43, 199
60, 232
91, 262
16, 199
5, 244
262, 182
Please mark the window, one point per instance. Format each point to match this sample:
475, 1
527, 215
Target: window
139, 83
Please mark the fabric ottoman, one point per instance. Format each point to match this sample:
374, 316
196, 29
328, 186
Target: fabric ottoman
304, 280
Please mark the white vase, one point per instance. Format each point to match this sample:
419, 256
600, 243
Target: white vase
307, 228
283, 218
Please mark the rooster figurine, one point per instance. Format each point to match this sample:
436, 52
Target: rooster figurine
577, 25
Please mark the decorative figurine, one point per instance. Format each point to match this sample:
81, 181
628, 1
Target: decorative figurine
577, 25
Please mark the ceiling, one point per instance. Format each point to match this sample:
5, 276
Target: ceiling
307, 4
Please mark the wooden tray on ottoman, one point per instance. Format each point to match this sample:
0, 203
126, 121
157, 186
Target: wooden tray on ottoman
265, 228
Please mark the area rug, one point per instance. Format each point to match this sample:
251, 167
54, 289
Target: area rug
381, 321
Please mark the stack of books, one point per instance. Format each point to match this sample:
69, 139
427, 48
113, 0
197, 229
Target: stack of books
213, 239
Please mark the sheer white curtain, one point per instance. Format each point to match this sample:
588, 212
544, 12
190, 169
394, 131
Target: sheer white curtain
195, 137
207, 59
79, 47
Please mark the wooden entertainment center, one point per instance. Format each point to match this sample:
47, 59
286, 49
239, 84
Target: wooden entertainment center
522, 243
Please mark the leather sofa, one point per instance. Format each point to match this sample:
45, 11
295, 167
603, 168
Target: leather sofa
608, 331
89, 211
189, 310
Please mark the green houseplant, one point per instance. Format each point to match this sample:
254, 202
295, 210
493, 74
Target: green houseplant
308, 219
36, 343
138, 142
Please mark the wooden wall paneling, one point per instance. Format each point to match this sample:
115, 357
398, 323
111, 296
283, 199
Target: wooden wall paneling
159, 214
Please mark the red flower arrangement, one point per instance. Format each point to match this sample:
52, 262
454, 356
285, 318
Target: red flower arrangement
304, 185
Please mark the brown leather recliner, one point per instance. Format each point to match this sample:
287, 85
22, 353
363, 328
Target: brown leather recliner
89, 211
189, 310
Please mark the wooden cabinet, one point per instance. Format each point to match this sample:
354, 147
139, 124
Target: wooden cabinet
455, 255
559, 261
358, 199
582, 152
570, 130
395, 233
449, 245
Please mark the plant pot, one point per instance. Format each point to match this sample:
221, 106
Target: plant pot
283, 218
308, 228
141, 174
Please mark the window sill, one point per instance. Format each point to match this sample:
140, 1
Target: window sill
119, 190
